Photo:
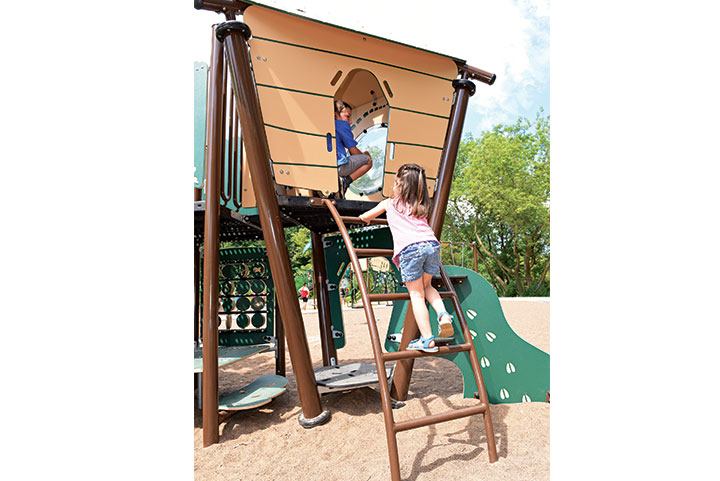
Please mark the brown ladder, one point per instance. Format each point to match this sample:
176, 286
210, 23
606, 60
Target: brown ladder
392, 427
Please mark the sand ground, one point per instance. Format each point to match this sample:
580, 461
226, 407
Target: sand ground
268, 443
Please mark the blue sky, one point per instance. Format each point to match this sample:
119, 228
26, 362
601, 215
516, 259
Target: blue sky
510, 38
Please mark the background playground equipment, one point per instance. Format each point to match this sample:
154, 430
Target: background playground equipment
277, 81
454, 253
247, 326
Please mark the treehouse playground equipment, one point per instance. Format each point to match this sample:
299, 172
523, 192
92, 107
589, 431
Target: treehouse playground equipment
265, 160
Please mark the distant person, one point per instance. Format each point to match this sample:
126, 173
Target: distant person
416, 250
304, 293
352, 162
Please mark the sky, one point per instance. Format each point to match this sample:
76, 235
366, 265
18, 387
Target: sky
510, 38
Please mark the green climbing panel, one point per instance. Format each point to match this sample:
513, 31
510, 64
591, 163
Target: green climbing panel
246, 303
513, 370
337, 261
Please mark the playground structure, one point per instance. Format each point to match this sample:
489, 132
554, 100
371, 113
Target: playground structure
265, 160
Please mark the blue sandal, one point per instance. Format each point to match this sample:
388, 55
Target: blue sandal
445, 326
422, 344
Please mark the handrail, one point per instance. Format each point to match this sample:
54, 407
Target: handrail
477, 74
357, 220
374, 340
227, 6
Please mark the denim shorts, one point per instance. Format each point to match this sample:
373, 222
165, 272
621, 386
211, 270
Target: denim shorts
419, 258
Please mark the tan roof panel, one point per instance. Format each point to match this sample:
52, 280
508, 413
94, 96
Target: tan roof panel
290, 28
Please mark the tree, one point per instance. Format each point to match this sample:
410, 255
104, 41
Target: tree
501, 199
297, 239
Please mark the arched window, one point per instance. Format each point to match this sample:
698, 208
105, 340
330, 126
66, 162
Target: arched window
373, 140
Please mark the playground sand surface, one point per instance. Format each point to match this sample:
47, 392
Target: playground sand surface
268, 443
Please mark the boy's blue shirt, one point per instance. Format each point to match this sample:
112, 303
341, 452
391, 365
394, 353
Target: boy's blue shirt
343, 140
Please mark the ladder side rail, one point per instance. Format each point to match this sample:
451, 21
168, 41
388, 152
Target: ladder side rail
375, 341
364, 295
466, 333
479, 382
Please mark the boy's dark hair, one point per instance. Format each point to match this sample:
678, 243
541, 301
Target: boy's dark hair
340, 106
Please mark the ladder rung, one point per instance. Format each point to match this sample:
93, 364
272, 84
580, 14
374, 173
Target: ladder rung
403, 296
374, 252
356, 220
405, 354
439, 418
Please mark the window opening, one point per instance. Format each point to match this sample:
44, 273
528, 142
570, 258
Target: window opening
374, 141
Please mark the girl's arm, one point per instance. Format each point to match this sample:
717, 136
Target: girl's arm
374, 212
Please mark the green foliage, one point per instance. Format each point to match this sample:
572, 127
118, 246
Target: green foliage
297, 238
252, 243
500, 199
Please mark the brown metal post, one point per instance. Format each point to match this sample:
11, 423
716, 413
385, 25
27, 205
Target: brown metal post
475, 256
235, 36
463, 89
322, 297
197, 195
280, 338
211, 250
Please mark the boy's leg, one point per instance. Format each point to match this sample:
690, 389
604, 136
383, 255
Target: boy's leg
364, 169
416, 289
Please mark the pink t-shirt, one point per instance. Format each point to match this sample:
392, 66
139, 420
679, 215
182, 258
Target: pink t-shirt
406, 229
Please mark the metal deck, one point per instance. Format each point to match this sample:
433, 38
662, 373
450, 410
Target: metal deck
295, 211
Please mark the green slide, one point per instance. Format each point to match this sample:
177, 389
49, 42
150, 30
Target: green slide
513, 370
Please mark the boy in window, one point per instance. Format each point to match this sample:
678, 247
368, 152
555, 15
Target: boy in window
352, 162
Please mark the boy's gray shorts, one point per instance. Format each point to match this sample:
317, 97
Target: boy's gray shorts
356, 161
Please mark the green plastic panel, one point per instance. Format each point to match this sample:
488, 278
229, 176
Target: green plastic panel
201, 70
246, 295
200, 114
337, 261
513, 370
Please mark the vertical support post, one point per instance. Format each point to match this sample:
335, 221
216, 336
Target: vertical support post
464, 88
234, 34
322, 297
197, 195
212, 248
474, 244
280, 338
